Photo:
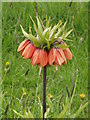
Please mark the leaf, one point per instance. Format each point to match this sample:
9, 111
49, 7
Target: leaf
41, 115
45, 34
50, 103
35, 40
48, 45
63, 113
25, 33
67, 39
30, 29
39, 29
79, 110
35, 27
41, 22
47, 22
53, 30
28, 114
20, 115
46, 30
66, 34
39, 26
62, 46
47, 112
60, 30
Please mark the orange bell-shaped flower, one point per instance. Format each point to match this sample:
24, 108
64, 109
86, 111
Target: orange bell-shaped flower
39, 57
55, 57
22, 45
67, 52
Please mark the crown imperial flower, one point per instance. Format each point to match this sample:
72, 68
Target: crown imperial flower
47, 47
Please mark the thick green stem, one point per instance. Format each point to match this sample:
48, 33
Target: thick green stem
44, 91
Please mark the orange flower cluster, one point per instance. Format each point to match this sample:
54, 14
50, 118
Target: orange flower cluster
56, 56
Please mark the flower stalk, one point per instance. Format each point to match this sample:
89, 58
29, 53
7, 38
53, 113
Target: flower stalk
44, 91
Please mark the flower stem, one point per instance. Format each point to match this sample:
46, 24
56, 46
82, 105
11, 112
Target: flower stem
44, 91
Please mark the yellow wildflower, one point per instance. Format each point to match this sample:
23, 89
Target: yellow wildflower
82, 96
7, 64
50, 96
24, 94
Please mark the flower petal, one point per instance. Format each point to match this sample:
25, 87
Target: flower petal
68, 54
52, 56
22, 45
59, 60
22, 52
43, 58
28, 51
62, 54
35, 57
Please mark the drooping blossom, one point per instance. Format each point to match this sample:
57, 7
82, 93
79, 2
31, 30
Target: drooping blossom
39, 57
27, 49
67, 52
32, 49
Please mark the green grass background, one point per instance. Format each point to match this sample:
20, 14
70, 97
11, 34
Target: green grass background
15, 83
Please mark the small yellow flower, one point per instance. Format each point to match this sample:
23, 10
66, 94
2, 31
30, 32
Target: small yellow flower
7, 64
82, 96
24, 94
50, 96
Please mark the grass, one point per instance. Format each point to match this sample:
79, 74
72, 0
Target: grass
15, 83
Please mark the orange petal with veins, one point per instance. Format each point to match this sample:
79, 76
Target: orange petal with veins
28, 51
43, 58
59, 60
22, 45
35, 57
22, 52
68, 54
52, 56
62, 54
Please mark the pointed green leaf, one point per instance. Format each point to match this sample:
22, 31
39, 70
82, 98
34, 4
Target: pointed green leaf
48, 45
35, 40
35, 27
79, 110
46, 30
39, 25
20, 115
25, 33
30, 115
63, 113
30, 29
54, 29
41, 113
47, 112
62, 46
66, 34
47, 22
42, 23
39, 29
60, 30
50, 104
67, 39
